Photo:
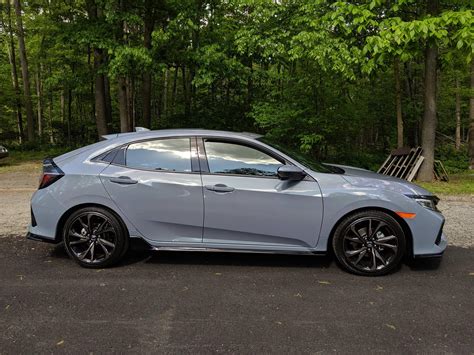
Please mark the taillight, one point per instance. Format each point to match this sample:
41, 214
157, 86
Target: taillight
51, 173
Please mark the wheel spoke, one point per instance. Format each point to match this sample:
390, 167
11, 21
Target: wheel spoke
106, 242
107, 253
77, 235
385, 245
355, 252
83, 255
101, 226
353, 239
386, 238
89, 222
92, 251
82, 223
380, 225
359, 236
379, 256
374, 260
81, 241
369, 231
108, 230
361, 255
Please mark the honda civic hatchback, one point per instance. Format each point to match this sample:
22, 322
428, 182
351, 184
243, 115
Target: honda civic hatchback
201, 190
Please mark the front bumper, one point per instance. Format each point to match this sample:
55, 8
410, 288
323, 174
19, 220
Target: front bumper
438, 249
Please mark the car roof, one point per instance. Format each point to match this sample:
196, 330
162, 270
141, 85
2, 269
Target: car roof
144, 134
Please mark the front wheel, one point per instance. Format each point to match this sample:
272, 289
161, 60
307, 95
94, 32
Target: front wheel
370, 243
95, 237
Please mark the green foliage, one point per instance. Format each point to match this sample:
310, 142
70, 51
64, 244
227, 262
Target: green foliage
317, 75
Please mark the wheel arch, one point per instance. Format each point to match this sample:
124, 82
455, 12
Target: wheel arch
65, 216
401, 221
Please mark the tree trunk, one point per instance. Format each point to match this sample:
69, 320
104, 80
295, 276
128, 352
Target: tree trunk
25, 73
398, 103
187, 104
471, 119
123, 103
99, 92
147, 78
14, 73
428, 132
165, 93
174, 90
39, 94
100, 95
458, 114
69, 115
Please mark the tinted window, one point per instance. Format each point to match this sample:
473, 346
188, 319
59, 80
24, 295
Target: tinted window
230, 158
163, 154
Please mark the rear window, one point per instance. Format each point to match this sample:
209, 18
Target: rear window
161, 155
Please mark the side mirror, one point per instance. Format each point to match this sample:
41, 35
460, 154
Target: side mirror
290, 172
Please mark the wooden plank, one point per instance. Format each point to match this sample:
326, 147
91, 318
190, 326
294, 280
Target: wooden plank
416, 168
404, 165
411, 162
384, 163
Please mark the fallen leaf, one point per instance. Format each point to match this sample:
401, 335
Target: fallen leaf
471, 274
324, 282
278, 322
218, 273
61, 342
298, 295
102, 284
379, 288
21, 277
7, 306
391, 326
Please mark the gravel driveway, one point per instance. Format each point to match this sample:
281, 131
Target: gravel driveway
16, 189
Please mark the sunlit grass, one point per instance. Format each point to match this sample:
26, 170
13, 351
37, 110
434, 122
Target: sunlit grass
458, 184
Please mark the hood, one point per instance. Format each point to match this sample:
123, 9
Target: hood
366, 178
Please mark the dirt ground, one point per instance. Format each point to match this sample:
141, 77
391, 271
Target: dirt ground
16, 188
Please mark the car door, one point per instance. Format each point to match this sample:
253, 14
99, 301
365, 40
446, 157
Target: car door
157, 185
245, 203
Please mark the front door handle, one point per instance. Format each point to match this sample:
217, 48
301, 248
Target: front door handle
219, 188
123, 180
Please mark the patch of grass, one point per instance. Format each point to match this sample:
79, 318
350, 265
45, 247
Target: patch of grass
458, 184
27, 161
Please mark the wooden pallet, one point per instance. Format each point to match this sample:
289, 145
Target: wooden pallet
403, 163
440, 172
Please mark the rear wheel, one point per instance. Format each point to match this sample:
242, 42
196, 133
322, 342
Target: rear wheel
95, 237
370, 243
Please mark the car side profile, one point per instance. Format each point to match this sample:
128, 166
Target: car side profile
202, 190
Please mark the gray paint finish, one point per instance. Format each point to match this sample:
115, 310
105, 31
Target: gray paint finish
259, 214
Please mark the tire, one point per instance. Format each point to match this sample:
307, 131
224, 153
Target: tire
376, 254
95, 237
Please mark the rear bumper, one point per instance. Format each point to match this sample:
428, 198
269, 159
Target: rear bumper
3, 155
40, 238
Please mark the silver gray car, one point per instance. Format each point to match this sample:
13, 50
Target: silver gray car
202, 190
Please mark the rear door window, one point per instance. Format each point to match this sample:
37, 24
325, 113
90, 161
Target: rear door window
173, 155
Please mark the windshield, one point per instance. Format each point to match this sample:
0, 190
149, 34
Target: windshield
303, 158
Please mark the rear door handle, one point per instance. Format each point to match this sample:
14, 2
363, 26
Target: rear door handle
123, 180
219, 188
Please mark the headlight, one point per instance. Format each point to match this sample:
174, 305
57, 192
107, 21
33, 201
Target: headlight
429, 202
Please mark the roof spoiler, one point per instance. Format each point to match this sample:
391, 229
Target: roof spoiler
115, 135
141, 129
